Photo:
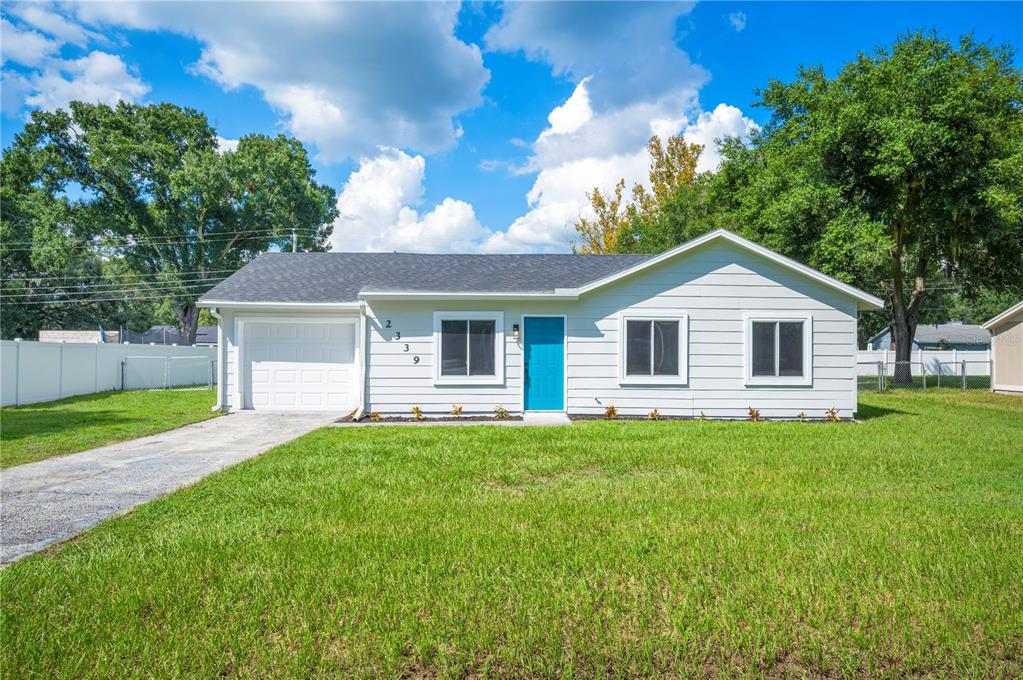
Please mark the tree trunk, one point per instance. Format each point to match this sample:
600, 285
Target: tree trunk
188, 321
903, 332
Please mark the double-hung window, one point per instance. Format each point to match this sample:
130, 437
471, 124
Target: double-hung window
653, 349
468, 348
778, 350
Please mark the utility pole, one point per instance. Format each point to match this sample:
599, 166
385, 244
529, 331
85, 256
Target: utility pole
294, 241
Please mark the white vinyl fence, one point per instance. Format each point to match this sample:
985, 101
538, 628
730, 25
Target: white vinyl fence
31, 372
932, 362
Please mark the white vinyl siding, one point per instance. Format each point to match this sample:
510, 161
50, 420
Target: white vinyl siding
714, 288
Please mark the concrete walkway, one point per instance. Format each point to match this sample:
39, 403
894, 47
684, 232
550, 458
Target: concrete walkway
58, 498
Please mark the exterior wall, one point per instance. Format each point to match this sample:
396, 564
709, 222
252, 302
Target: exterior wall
715, 286
78, 336
1007, 349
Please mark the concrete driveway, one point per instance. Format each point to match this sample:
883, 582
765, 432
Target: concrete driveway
58, 498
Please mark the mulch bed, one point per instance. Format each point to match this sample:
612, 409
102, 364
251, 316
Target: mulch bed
366, 420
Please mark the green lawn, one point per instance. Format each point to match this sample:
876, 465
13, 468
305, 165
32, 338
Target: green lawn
38, 431
891, 548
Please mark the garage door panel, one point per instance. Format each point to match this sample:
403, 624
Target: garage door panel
301, 365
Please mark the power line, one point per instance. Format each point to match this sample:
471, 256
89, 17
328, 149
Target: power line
179, 238
195, 278
82, 295
157, 244
104, 276
115, 299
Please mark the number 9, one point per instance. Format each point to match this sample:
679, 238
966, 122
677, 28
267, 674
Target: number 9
415, 360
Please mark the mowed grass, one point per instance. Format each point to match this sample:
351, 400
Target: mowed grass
38, 431
891, 548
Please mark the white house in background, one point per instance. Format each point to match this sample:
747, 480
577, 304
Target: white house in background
952, 335
1007, 350
713, 326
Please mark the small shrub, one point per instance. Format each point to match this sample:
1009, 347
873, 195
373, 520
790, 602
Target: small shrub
375, 417
654, 415
610, 413
417, 413
456, 410
831, 415
802, 417
351, 416
754, 414
501, 413
703, 416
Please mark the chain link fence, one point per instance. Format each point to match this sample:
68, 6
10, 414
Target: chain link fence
880, 376
155, 372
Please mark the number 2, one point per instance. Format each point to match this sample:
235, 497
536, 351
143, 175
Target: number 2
387, 323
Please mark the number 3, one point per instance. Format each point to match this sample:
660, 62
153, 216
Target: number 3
406, 347
397, 335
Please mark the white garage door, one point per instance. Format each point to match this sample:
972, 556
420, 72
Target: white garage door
300, 365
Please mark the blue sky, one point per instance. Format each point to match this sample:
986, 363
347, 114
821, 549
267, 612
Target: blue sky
473, 127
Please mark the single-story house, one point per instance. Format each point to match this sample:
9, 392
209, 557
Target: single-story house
1007, 350
714, 326
952, 335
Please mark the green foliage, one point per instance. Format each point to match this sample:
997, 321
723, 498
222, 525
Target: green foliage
55, 428
145, 190
501, 413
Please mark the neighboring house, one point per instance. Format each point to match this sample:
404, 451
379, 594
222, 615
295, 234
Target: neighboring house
205, 336
1007, 349
958, 336
714, 326
79, 336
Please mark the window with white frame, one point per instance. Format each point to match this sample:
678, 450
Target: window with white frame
778, 350
654, 349
468, 347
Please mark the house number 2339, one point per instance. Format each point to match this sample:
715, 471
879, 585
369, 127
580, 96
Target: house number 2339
397, 336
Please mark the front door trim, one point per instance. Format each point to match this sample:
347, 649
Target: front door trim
564, 365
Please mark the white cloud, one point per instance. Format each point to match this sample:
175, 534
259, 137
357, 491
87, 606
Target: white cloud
628, 49
738, 21
723, 121
224, 145
378, 212
340, 74
25, 47
41, 17
96, 77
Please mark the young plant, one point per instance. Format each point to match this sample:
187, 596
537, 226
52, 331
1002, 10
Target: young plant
703, 416
754, 414
456, 410
501, 413
802, 416
610, 413
417, 413
654, 415
375, 417
831, 415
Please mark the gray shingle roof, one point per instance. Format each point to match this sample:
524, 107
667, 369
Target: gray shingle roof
952, 333
338, 277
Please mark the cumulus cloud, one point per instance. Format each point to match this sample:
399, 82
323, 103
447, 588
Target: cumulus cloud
45, 79
378, 210
25, 47
97, 77
738, 21
224, 145
338, 73
710, 126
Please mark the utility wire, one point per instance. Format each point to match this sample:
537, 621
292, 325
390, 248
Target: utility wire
83, 295
191, 241
106, 277
174, 238
196, 278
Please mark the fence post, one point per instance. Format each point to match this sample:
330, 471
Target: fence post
17, 371
990, 371
880, 376
166, 371
60, 372
964, 375
124, 362
923, 375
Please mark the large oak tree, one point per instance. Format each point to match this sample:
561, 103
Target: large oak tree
146, 189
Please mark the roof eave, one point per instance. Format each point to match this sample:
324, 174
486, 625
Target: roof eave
399, 295
292, 306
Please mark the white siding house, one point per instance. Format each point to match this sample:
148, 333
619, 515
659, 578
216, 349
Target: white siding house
714, 326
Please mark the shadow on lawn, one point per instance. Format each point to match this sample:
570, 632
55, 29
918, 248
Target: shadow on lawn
868, 412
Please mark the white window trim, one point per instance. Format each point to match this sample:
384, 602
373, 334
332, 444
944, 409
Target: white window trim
498, 377
683, 349
778, 380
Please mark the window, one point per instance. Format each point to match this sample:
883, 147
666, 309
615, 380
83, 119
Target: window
654, 350
469, 347
778, 351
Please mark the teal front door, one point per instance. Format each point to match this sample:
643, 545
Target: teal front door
544, 349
